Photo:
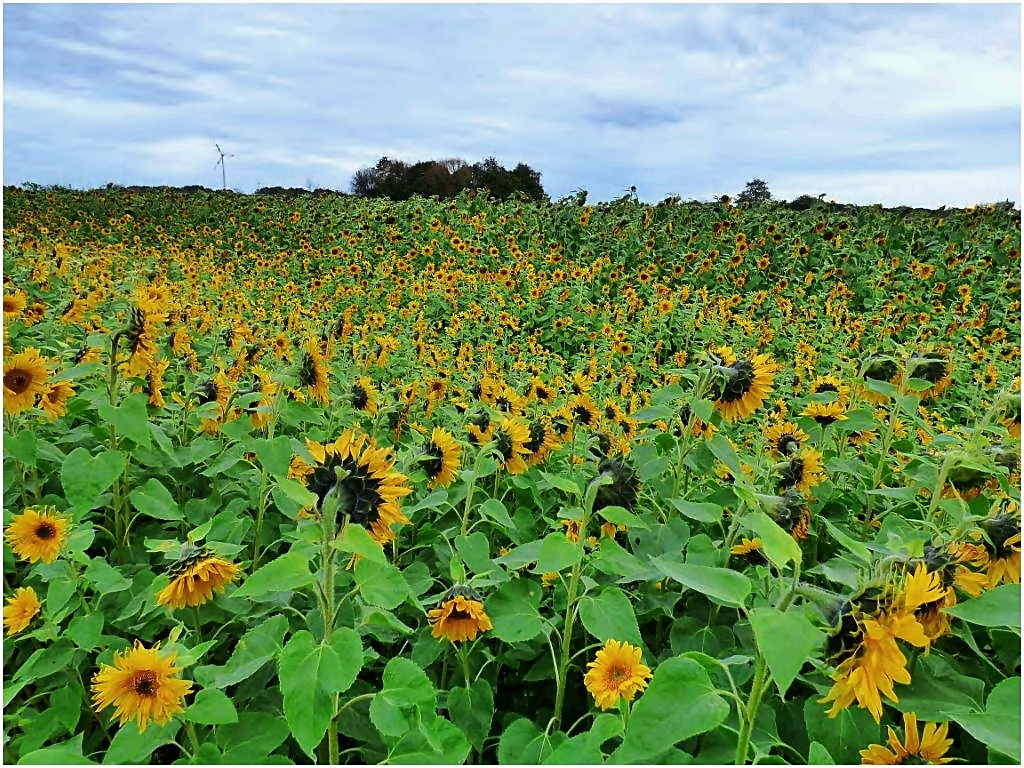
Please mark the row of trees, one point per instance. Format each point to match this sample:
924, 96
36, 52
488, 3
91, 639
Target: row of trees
397, 180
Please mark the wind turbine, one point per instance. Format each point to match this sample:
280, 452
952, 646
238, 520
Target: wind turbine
223, 172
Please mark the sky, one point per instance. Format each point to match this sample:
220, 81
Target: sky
893, 104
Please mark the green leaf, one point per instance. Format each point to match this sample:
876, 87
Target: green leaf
355, 539
286, 573
256, 648
434, 742
65, 753
45, 661
346, 646
556, 553
296, 492
522, 743
432, 501
818, 755
843, 736
561, 483
496, 511
579, 750
131, 747
154, 500
622, 516
84, 478
857, 548
615, 560
475, 550
700, 511
937, 687
786, 640
472, 710
211, 707
85, 631
105, 577
22, 447
609, 616
725, 453
679, 703
999, 607
252, 738
718, 584
779, 546
381, 584
66, 704
130, 418
520, 556
702, 409
274, 455
514, 611
654, 413
407, 694
307, 701
999, 725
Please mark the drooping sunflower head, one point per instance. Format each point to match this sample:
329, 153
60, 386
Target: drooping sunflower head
461, 615
1010, 414
542, 441
364, 395
624, 489
915, 749
441, 458
54, 401
801, 472
366, 489
830, 383
751, 550
933, 368
584, 411
785, 438
510, 439
742, 386
825, 413
313, 372
20, 610
38, 534
846, 621
195, 576
480, 428
791, 512
142, 685
617, 672
24, 379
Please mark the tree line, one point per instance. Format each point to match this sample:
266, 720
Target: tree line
397, 180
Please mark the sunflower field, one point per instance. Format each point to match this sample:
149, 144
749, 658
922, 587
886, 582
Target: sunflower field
323, 479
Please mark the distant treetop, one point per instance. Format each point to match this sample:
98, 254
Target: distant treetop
397, 180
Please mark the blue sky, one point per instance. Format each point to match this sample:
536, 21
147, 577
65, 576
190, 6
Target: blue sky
899, 104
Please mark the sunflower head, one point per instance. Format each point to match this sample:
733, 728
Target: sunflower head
20, 610
801, 472
142, 685
24, 379
510, 439
441, 458
880, 368
750, 549
624, 489
616, 672
38, 534
742, 386
1002, 533
195, 576
915, 749
461, 615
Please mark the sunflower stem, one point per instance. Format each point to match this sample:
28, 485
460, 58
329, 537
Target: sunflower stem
464, 656
472, 486
190, 731
747, 722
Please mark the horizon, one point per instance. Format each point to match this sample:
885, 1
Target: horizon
893, 105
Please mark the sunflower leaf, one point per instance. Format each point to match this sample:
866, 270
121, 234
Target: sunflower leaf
154, 500
356, 539
286, 573
514, 611
130, 418
779, 546
999, 607
719, 584
406, 696
609, 616
211, 707
381, 584
786, 640
85, 477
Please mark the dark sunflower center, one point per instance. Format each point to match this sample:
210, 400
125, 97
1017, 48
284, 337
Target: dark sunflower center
739, 377
504, 442
880, 370
144, 683
825, 419
307, 371
617, 674
826, 387
435, 460
457, 615
561, 426
358, 492
537, 434
46, 531
931, 371
207, 393
503, 404
624, 488
359, 396
543, 394
583, 415
788, 444
792, 473
17, 380
999, 529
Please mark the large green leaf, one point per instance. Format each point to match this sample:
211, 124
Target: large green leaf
999, 726
355, 539
718, 584
786, 640
84, 478
843, 736
65, 753
381, 584
609, 616
472, 710
129, 747
435, 742
680, 702
522, 743
211, 707
514, 609
252, 738
937, 687
257, 646
154, 500
556, 553
130, 418
286, 573
779, 546
406, 697
999, 607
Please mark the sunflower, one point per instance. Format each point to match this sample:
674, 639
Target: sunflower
313, 372
743, 385
929, 750
141, 685
1002, 545
38, 534
14, 303
791, 512
511, 437
480, 428
54, 401
934, 369
20, 610
24, 378
541, 443
364, 396
155, 383
572, 529
751, 549
461, 616
194, 577
369, 493
441, 460
623, 491
825, 413
802, 472
616, 672
830, 384
584, 411
785, 438
141, 335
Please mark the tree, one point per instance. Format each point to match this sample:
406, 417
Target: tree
756, 192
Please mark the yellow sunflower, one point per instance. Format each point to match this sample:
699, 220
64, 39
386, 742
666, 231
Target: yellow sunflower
24, 378
14, 303
541, 443
744, 385
370, 491
20, 610
1002, 547
441, 459
141, 685
194, 577
511, 437
461, 616
616, 672
803, 471
915, 749
480, 428
55, 400
583, 410
785, 438
825, 413
38, 534
830, 384
155, 383
314, 373
364, 396
751, 549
